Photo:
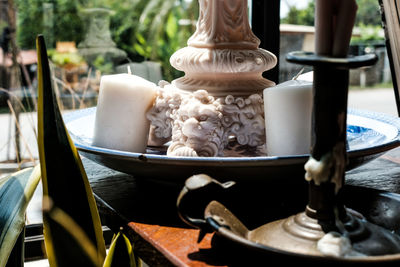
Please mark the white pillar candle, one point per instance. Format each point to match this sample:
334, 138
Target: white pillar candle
121, 122
288, 109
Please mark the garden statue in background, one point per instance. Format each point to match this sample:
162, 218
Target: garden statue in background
97, 41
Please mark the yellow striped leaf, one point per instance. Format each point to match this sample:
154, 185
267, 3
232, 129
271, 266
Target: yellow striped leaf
121, 253
16, 191
64, 179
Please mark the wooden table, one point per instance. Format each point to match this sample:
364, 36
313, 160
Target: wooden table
162, 239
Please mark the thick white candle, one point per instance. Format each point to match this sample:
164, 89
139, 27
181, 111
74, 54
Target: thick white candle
288, 108
121, 121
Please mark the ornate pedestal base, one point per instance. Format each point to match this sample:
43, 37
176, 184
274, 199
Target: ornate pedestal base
201, 125
220, 95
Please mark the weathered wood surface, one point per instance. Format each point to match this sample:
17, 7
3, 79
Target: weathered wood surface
162, 239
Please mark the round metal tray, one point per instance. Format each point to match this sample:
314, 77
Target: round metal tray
369, 134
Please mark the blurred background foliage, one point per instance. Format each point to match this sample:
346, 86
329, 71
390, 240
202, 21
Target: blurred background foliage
300, 16
151, 29
145, 29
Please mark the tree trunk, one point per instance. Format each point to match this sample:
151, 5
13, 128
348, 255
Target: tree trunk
15, 74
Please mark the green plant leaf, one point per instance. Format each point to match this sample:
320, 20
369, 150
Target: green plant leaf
121, 253
140, 50
149, 11
140, 39
16, 191
65, 183
158, 23
76, 241
17, 256
171, 26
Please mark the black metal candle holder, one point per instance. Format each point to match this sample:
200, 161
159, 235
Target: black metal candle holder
325, 212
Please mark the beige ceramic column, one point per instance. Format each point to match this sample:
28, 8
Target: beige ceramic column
220, 96
223, 56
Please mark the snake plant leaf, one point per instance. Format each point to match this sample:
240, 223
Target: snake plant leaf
16, 191
64, 179
17, 256
77, 242
121, 253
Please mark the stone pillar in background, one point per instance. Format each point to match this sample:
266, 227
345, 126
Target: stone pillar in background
97, 40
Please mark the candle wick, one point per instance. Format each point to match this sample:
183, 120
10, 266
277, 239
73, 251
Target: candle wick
129, 70
298, 74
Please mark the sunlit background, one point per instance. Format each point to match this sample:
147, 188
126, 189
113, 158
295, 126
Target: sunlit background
87, 39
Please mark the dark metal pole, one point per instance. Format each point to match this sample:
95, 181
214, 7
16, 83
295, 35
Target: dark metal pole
265, 25
328, 134
328, 147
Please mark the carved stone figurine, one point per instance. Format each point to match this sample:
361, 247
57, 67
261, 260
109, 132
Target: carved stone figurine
220, 95
97, 40
197, 128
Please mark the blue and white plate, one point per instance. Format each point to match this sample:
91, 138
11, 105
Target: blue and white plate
369, 134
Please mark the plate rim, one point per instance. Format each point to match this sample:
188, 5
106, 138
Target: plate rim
265, 160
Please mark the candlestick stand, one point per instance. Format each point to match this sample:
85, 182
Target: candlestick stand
325, 213
326, 227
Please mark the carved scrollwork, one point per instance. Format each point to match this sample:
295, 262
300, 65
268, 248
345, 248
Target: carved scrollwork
197, 125
220, 88
201, 125
168, 100
203, 60
244, 119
